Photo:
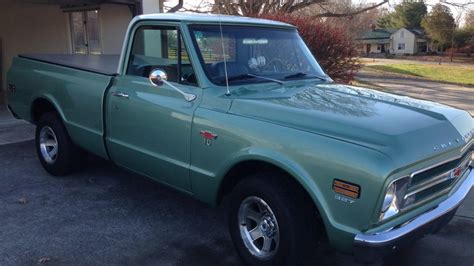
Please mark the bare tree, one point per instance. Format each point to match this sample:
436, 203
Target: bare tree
259, 7
353, 25
464, 5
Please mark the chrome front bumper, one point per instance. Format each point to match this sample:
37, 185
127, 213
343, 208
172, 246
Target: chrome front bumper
368, 247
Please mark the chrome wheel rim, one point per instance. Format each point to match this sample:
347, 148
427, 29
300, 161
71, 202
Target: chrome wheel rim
258, 228
48, 145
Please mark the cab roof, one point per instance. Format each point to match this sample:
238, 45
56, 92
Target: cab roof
212, 18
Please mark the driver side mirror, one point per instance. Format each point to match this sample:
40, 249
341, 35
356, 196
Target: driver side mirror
157, 77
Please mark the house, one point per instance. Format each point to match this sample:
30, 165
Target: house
393, 41
65, 26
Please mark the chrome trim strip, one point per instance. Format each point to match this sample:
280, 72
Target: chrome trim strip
468, 146
438, 179
444, 207
438, 164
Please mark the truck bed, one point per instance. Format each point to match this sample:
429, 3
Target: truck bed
102, 64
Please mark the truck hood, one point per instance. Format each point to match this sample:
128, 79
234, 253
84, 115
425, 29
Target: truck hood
401, 127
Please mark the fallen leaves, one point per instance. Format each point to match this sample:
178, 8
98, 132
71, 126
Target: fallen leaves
43, 260
22, 200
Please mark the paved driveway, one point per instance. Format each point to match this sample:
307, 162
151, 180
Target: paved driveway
454, 95
104, 215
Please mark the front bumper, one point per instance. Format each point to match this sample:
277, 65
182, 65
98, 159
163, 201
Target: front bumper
369, 247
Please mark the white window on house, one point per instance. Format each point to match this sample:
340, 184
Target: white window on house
402, 34
379, 47
85, 31
401, 46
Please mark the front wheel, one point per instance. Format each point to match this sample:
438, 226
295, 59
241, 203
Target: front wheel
56, 151
268, 223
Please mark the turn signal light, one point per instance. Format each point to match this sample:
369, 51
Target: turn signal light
346, 188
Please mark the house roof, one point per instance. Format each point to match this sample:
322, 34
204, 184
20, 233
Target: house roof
203, 18
418, 32
374, 34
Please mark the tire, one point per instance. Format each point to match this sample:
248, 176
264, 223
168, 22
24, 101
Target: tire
284, 219
51, 135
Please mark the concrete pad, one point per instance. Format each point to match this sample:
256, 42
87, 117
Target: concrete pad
466, 210
104, 215
13, 130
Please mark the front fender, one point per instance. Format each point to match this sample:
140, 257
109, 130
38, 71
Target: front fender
313, 160
280, 161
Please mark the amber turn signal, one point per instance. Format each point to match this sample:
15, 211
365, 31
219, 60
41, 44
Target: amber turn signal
346, 188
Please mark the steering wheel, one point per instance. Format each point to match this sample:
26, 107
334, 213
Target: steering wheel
275, 65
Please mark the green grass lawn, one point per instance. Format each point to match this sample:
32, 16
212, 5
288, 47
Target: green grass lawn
449, 73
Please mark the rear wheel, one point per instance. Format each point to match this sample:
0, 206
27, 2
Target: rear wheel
56, 152
269, 224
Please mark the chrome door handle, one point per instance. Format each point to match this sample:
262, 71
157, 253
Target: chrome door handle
120, 94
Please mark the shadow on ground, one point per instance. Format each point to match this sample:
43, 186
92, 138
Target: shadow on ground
104, 215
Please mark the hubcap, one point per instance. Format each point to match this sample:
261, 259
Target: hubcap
48, 144
258, 227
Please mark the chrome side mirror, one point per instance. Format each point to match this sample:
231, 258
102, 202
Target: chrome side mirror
157, 76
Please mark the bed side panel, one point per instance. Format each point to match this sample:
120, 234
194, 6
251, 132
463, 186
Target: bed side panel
77, 95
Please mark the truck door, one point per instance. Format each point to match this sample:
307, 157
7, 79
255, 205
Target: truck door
148, 127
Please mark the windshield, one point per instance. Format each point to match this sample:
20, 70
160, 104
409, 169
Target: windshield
253, 54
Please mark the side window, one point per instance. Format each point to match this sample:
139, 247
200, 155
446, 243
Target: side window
160, 47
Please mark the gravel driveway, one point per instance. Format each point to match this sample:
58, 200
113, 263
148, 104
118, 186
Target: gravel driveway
104, 215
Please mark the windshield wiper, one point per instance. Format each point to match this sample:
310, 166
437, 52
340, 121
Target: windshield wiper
302, 74
248, 76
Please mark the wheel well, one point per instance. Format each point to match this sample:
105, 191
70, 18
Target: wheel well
247, 168
40, 107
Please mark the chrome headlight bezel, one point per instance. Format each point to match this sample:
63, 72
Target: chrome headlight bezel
394, 198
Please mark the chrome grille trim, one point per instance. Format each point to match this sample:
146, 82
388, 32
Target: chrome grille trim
439, 178
440, 163
470, 144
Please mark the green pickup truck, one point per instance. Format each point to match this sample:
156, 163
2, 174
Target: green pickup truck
233, 107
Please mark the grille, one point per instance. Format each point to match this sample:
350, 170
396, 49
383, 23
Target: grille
437, 180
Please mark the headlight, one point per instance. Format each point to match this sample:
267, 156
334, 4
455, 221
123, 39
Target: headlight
389, 197
394, 198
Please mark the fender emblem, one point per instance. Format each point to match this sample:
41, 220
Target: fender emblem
208, 137
343, 199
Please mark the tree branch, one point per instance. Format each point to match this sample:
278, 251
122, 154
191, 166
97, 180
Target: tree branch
459, 5
349, 14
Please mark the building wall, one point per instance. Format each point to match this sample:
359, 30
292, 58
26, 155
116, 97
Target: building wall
31, 28
151, 6
41, 28
114, 21
408, 39
362, 47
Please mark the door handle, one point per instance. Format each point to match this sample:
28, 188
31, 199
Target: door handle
120, 94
